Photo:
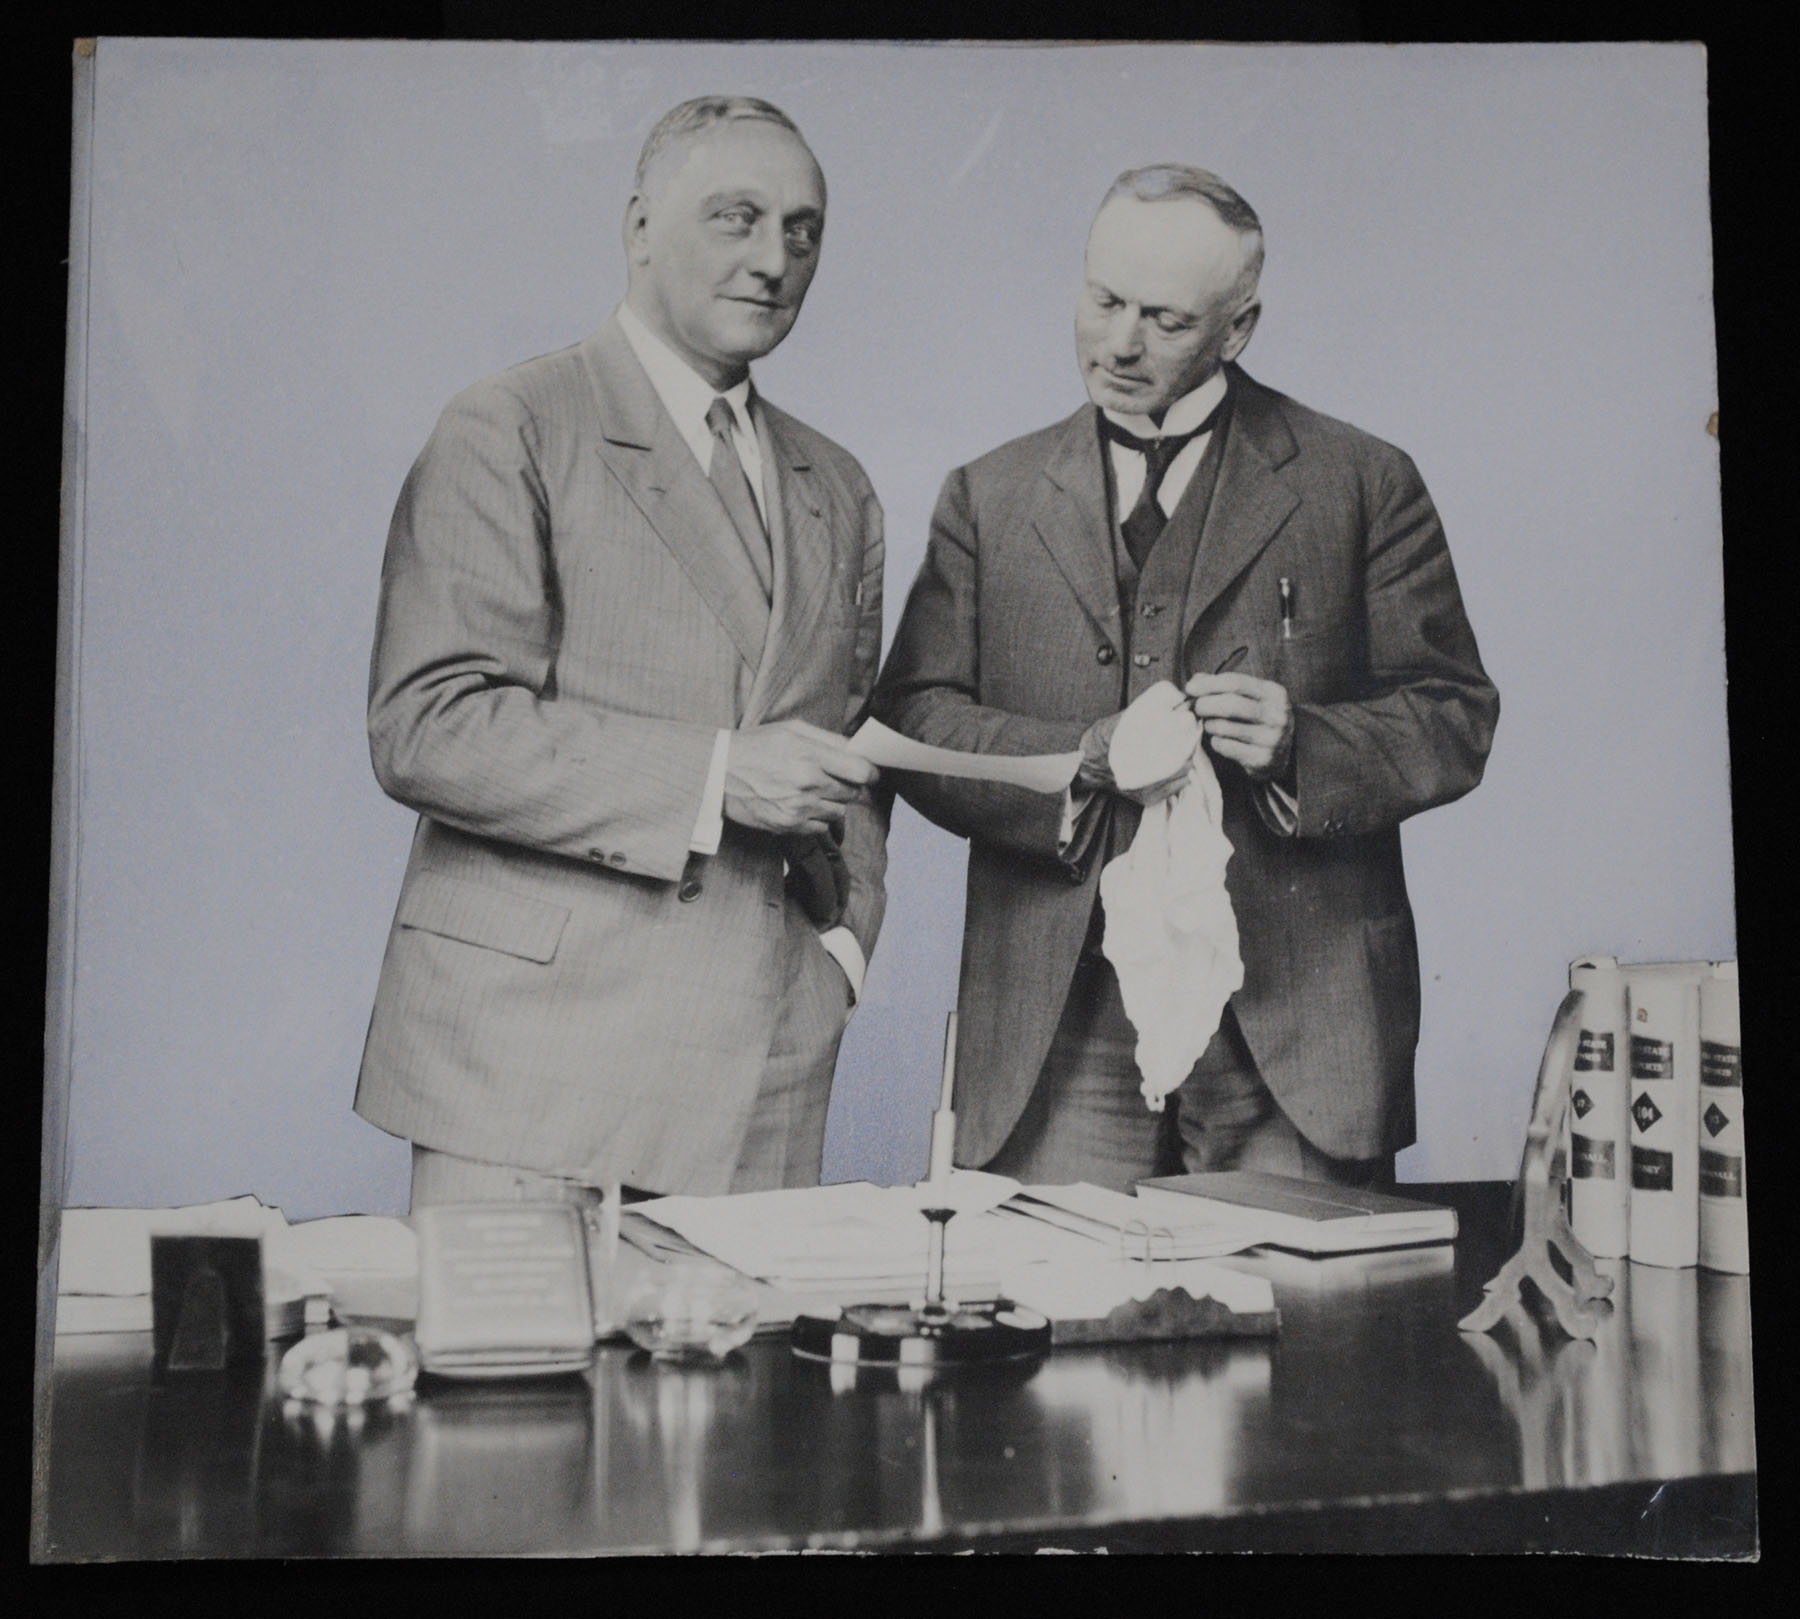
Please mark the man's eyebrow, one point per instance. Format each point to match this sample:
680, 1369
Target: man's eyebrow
719, 198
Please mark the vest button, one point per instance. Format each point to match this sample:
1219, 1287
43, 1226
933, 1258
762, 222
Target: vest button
616, 858
1143, 659
689, 890
1104, 653
1150, 609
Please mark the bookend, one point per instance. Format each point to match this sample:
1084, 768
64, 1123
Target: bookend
1578, 1301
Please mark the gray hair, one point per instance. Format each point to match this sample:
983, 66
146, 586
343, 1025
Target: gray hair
694, 117
1163, 182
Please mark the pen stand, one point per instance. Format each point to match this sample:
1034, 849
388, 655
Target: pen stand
1578, 1300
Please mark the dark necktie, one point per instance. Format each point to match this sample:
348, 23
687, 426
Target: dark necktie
1144, 525
728, 477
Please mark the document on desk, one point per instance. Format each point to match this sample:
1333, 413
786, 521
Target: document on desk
851, 1243
1041, 772
1128, 1226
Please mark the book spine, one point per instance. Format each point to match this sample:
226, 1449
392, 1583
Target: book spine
1599, 1116
1665, 1113
1724, 1224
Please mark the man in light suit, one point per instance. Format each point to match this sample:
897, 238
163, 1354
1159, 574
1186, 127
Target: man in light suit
1289, 572
629, 609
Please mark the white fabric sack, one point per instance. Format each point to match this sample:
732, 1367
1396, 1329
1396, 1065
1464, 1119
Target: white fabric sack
1170, 932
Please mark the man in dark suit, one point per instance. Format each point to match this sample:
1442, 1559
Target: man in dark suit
1290, 574
628, 611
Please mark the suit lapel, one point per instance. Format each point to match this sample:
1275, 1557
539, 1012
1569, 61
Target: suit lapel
804, 559
1250, 500
1069, 512
658, 470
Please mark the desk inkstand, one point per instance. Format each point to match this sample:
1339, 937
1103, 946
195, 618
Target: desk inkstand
935, 1333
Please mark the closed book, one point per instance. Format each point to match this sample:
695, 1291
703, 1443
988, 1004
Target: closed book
1599, 1116
1306, 1216
1664, 1001
1724, 1225
503, 1289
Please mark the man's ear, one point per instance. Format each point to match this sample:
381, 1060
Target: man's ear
637, 230
1243, 323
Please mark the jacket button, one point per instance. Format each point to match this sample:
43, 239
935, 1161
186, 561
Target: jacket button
596, 854
689, 890
1104, 653
616, 858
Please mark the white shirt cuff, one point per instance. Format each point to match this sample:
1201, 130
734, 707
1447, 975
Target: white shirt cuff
709, 826
1280, 809
848, 954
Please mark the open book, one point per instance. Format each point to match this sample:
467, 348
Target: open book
1306, 1216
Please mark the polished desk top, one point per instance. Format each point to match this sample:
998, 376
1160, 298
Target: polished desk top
1370, 1423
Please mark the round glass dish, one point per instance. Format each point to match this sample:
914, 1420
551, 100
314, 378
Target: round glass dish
691, 1309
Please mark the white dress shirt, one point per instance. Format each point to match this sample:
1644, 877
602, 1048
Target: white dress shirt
1280, 809
687, 397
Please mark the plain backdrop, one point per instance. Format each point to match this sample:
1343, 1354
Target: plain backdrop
1496, 257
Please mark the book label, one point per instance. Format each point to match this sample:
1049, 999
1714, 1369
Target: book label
1721, 1174
1720, 1064
1652, 1059
1652, 1171
1590, 1159
1594, 1052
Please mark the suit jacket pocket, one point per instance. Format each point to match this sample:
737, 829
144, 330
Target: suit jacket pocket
436, 902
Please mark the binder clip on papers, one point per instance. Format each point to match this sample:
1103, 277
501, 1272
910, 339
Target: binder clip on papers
935, 1333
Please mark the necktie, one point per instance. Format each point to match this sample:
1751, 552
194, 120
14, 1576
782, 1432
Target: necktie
728, 477
1145, 523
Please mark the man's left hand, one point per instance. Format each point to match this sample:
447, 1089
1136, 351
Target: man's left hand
1250, 721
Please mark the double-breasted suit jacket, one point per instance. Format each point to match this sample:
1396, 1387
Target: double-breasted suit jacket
567, 619
1012, 642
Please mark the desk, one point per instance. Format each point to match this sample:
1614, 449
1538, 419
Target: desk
1371, 1423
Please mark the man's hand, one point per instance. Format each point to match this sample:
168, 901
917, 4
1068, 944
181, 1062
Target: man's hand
792, 777
1142, 752
1250, 721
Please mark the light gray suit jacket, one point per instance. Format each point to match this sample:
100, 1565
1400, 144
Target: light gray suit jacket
1008, 644
567, 618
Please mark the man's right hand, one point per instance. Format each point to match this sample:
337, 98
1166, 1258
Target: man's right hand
792, 777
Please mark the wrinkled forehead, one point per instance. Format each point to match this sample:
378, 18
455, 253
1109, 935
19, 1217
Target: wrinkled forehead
753, 153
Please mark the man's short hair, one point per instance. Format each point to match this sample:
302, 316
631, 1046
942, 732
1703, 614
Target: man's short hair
694, 117
1162, 182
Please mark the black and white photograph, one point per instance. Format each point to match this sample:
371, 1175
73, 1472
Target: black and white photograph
907, 796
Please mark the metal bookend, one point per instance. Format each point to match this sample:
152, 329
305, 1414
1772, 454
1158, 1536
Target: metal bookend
1580, 1301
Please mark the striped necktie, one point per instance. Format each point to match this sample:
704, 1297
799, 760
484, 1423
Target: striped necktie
728, 477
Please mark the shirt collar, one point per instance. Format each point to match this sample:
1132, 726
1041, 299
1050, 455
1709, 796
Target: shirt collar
1187, 413
685, 394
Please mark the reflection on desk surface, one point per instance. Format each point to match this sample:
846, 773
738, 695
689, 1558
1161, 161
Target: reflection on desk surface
1369, 1393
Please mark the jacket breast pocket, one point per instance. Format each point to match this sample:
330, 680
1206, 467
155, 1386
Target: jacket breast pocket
455, 908
1315, 664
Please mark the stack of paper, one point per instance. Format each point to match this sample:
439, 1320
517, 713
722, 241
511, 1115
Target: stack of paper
1126, 1226
103, 1266
854, 1243
369, 1262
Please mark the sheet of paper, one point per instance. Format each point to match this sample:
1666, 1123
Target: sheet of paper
1041, 772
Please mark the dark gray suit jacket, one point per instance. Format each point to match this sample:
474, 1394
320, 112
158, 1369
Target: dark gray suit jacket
998, 650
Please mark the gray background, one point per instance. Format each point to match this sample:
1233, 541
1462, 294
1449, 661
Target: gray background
1496, 257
